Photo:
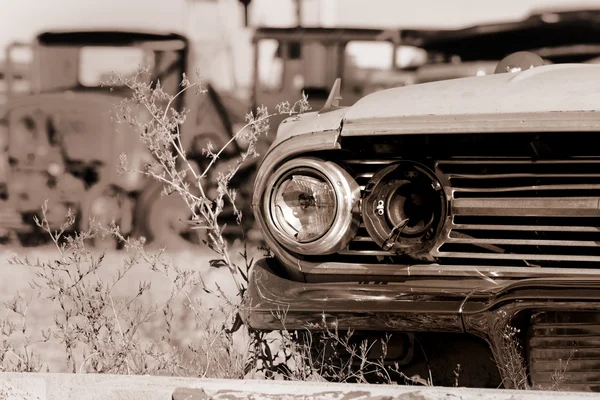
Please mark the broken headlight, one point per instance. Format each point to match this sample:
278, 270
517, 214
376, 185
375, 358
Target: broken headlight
404, 208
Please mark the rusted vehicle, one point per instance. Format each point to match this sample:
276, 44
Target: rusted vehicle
559, 36
64, 146
290, 61
461, 216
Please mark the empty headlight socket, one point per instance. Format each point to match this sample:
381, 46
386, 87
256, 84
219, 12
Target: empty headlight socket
404, 207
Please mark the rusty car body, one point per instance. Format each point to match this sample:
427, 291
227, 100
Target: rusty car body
451, 211
291, 61
557, 35
63, 144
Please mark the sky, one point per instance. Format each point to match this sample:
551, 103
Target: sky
20, 19
210, 24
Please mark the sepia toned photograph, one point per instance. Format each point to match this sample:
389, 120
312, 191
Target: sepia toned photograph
299, 199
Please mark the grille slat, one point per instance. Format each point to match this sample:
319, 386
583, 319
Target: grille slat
553, 349
514, 256
525, 242
526, 188
536, 228
515, 161
572, 387
544, 378
522, 209
574, 329
349, 252
564, 348
521, 175
531, 207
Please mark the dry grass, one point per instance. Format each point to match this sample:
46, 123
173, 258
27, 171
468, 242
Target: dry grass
202, 346
16, 280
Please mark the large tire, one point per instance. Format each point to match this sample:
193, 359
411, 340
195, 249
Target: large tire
161, 218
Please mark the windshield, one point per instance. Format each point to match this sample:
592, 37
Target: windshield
96, 64
285, 65
79, 67
270, 66
375, 65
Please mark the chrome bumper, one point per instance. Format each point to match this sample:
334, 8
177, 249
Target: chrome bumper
434, 303
480, 307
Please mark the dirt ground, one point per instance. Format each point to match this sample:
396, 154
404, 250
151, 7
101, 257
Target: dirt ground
16, 279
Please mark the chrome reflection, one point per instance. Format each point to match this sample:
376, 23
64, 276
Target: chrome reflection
325, 189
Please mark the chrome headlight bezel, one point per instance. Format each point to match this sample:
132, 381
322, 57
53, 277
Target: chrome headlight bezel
347, 211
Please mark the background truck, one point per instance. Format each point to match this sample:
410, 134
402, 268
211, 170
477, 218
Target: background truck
60, 142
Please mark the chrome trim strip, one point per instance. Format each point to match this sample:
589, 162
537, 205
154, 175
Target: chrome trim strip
527, 206
420, 270
525, 188
516, 256
521, 242
573, 121
529, 228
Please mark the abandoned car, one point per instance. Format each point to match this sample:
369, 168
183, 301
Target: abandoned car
461, 216
60, 141
559, 36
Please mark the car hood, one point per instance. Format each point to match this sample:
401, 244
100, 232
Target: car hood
309, 123
546, 98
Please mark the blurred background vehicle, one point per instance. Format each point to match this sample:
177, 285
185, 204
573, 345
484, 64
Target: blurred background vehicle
18, 79
292, 61
558, 36
63, 144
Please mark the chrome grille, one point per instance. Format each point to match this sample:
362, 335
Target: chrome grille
516, 211
564, 351
522, 210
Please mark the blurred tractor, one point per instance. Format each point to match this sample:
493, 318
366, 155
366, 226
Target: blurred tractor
289, 61
60, 142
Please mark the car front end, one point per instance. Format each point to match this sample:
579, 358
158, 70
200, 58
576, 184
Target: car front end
468, 206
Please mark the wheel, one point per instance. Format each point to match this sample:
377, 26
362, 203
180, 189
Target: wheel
104, 203
161, 218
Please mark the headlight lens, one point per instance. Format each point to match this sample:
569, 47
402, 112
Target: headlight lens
304, 205
311, 206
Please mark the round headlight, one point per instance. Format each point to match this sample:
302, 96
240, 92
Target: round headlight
304, 205
312, 206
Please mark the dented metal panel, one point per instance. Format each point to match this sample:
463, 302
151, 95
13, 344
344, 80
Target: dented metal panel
309, 123
547, 98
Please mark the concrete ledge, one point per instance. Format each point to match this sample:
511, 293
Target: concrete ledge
19, 386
